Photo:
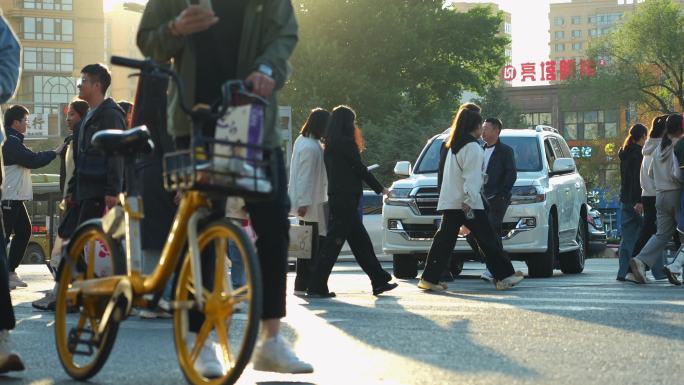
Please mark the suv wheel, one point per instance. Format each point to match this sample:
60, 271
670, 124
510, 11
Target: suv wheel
573, 262
34, 255
541, 265
405, 266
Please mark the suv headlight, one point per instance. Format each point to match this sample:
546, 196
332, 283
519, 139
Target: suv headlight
526, 194
398, 197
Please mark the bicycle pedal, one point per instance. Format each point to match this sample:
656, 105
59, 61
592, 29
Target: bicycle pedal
75, 341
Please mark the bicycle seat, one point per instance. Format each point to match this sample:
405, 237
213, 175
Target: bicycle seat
118, 142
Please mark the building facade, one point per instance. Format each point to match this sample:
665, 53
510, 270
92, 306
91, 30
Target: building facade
505, 29
121, 28
58, 37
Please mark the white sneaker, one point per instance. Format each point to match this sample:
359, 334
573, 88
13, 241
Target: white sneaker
274, 354
16, 281
9, 360
509, 281
209, 363
487, 276
638, 270
429, 286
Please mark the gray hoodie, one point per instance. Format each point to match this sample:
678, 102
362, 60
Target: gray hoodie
648, 188
662, 169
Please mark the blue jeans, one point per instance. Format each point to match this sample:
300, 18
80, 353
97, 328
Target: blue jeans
630, 227
237, 270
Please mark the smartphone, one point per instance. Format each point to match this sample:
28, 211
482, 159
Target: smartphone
206, 4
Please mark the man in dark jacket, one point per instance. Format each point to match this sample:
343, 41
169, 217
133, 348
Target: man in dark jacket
98, 179
17, 187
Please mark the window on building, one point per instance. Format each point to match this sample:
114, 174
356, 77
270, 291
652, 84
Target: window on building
48, 59
533, 119
577, 33
588, 125
576, 46
559, 35
576, 20
50, 91
560, 47
508, 28
593, 32
56, 5
558, 21
43, 28
591, 20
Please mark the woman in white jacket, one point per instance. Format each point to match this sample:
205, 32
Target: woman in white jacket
460, 202
308, 188
668, 188
648, 192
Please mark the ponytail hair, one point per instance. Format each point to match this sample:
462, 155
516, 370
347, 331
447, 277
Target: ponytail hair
636, 133
657, 127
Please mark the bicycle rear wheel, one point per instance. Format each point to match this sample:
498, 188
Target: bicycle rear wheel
90, 254
230, 317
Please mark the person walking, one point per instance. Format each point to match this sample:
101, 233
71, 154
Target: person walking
17, 187
346, 174
499, 166
668, 188
631, 208
460, 202
648, 193
69, 212
10, 65
249, 40
674, 270
98, 178
308, 189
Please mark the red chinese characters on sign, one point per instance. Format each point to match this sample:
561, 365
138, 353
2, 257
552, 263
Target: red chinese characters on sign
550, 71
567, 69
587, 68
509, 73
528, 71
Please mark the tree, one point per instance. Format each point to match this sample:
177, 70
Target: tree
644, 61
389, 58
495, 104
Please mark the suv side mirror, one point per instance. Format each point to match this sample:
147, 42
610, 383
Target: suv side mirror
563, 165
402, 168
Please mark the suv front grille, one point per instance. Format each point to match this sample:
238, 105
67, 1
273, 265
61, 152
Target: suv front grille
426, 200
423, 231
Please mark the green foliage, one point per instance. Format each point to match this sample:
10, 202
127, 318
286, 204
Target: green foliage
401, 64
645, 61
495, 104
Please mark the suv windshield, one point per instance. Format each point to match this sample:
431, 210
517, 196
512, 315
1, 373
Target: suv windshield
526, 150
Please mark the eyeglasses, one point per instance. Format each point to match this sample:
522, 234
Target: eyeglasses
80, 81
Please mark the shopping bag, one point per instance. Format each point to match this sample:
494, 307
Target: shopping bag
300, 241
239, 125
103, 258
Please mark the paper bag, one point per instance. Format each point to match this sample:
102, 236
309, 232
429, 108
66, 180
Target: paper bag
300, 242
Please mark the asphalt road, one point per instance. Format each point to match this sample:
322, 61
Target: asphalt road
582, 329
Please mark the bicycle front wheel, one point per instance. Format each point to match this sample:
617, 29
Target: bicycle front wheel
82, 349
228, 323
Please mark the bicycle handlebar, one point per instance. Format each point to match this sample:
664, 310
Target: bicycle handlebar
150, 67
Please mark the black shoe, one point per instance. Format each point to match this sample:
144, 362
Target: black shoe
621, 279
446, 277
386, 287
330, 294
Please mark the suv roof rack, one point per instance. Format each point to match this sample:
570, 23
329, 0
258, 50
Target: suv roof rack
541, 127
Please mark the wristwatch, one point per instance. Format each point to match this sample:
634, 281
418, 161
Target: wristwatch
266, 70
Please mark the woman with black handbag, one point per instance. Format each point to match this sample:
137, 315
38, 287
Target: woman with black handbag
460, 202
346, 174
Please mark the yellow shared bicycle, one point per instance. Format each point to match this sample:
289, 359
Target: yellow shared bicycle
100, 278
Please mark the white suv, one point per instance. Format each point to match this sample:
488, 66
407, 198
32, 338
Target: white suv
544, 225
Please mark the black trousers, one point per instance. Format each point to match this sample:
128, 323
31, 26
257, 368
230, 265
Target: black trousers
90, 208
346, 225
271, 225
649, 226
18, 227
445, 240
305, 266
7, 321
496, 211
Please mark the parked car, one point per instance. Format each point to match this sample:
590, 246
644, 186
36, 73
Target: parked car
545, 225
596, 234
